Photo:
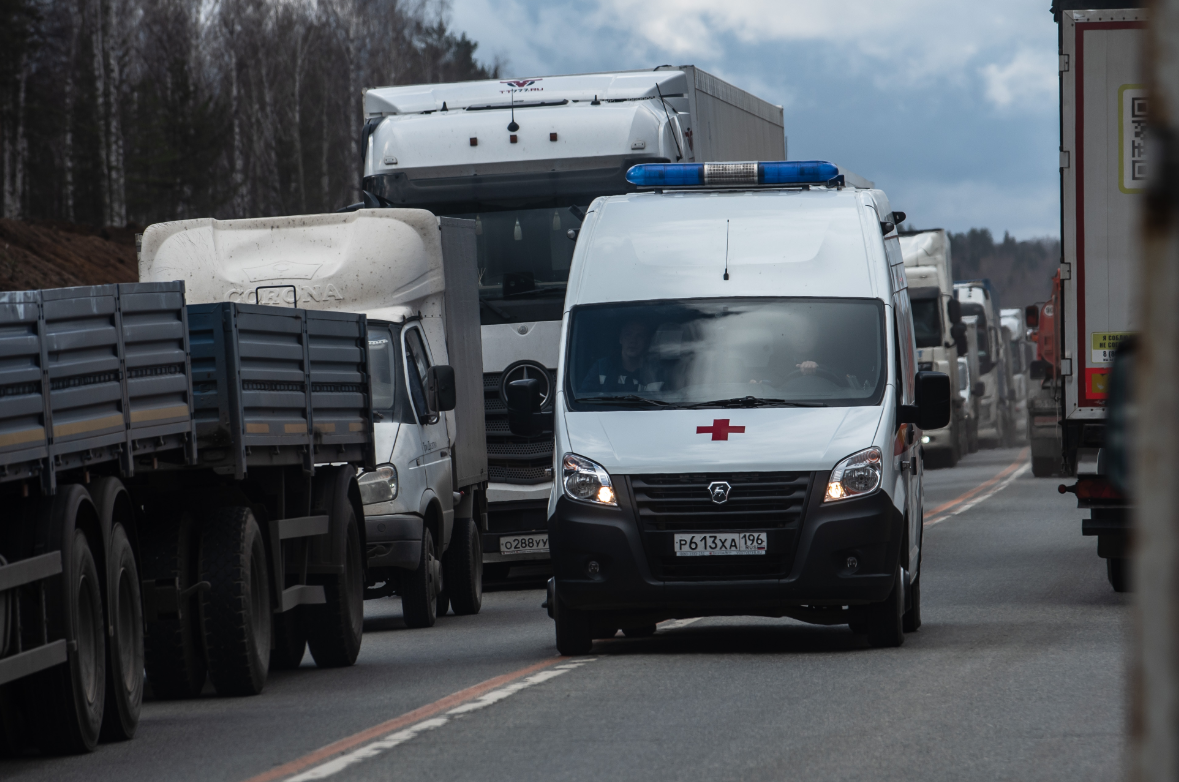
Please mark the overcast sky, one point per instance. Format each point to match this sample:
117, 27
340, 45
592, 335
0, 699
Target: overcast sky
949, 106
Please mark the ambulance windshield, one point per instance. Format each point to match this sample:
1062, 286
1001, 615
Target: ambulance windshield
763, 352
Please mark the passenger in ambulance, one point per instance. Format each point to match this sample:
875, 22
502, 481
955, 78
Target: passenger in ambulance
627, 370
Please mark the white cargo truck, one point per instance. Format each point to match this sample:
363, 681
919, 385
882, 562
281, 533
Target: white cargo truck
1103, 174
413, 275
1021, 352
524, 158
941, 339
977, 298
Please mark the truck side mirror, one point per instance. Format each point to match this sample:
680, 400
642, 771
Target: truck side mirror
1039, 369
958, 332
954, 309
933, 401
1031, 316
524, 416
979, 388
440, 391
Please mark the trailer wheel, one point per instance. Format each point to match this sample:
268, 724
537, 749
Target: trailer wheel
1118, 572
68, 700
173, 647
290, 640
419, 587
335, 629
124, 682
236, 610
462, 566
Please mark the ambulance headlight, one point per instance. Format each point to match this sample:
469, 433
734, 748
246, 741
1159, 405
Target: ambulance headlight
855, 476
587, 481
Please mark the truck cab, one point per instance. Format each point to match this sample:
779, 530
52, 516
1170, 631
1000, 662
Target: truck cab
1021, 352
977, 298
524, 158
738, 407
414, 276
938, 330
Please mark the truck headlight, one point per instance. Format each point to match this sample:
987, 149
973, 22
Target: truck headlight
380, 485
587, 481
855, 476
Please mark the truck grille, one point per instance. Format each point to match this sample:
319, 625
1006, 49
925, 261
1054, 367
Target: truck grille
512, 459
666, 504
682, 503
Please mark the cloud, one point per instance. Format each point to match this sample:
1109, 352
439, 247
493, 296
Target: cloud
1028, 77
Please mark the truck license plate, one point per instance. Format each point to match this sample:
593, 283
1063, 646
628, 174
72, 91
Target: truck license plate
720, 544
524, 544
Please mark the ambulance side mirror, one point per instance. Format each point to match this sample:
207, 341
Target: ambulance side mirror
932, 410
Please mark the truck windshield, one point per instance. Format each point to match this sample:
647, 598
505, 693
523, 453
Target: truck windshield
765, 352
524, 257
927, 323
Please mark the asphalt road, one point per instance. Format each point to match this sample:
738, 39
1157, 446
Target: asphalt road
1017, 673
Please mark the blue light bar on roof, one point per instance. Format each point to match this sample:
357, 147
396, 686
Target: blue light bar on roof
794, 172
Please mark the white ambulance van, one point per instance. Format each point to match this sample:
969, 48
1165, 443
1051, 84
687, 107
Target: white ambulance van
739, 410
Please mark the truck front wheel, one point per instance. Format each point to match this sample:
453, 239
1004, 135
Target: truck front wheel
236, 610
335, 629
419, 587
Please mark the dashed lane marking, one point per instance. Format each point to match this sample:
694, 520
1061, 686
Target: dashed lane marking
982, 492
337, 756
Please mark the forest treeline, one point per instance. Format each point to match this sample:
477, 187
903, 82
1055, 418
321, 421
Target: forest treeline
116, 112
1020, 270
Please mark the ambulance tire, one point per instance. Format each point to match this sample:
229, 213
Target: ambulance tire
884, 621
574, 630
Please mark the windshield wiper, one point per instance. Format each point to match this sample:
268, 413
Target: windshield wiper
752, 401
536, 293
625, 399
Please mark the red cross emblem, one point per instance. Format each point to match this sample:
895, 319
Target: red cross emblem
720, 429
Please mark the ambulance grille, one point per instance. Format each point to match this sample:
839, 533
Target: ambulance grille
682, 503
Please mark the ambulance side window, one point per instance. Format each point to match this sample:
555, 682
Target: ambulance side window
906, 352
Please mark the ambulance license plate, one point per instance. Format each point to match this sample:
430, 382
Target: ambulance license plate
714, 544
524, 544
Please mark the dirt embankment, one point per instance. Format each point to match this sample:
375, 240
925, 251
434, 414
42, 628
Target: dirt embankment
53, 254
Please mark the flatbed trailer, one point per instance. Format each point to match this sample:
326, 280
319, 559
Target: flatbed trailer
179, 496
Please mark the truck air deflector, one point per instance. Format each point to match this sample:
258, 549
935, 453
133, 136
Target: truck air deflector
807, 172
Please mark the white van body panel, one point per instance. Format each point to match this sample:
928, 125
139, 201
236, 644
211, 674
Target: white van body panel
667, 246
673, 245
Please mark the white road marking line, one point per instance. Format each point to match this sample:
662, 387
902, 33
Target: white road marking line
368, 751
1000, 486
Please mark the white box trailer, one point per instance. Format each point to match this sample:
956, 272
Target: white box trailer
524, 158
1103, 159
413, 275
